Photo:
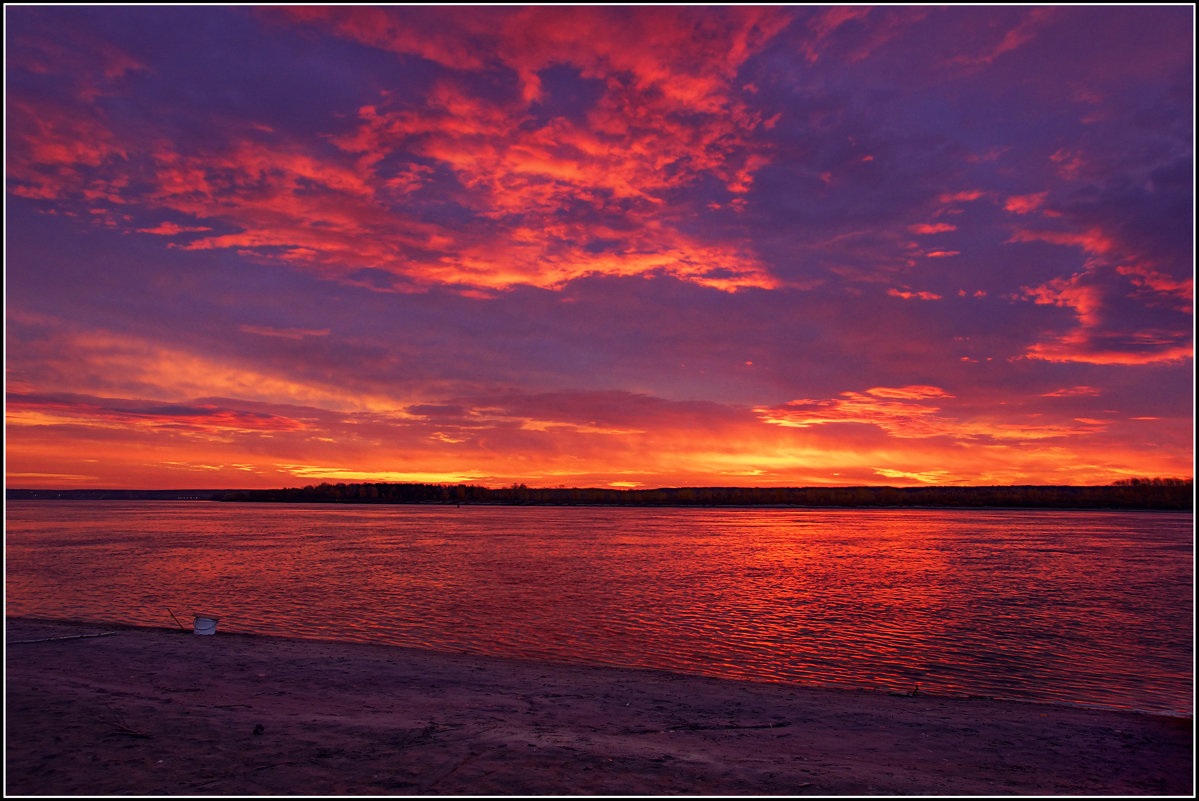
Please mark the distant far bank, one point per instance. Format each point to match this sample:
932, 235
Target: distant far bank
115, 495
1171, 494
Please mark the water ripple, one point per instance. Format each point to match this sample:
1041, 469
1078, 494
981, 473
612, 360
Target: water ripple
1068, 607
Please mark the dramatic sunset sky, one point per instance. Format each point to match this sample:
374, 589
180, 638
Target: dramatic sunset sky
598, 246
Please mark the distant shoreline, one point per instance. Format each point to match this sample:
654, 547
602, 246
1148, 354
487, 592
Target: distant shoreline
1156, 494
115, 494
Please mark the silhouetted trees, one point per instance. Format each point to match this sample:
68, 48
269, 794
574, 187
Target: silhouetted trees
1147, 493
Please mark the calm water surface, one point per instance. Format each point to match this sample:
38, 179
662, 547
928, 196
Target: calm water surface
1091, 608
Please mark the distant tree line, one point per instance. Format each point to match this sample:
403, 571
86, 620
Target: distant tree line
1153, 482
1155, 493
12, 494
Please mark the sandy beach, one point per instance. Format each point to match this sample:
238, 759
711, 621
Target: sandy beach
152, 711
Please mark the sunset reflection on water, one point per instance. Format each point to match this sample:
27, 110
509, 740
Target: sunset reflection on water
1069, 607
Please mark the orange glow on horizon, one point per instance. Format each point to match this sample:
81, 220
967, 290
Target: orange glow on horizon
886, 436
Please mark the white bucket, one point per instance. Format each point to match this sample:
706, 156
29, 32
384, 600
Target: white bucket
205, 624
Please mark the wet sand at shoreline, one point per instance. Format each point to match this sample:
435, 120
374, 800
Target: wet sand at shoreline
153, 711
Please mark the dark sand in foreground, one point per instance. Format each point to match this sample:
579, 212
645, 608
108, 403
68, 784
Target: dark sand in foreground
162, 712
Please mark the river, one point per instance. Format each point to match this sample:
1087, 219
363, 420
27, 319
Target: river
1089, 608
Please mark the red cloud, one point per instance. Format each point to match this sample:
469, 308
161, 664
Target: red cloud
912, 391
1067, 392
53, 149
905, 413
112, 412
1093, 347
668, 115
1092, 291
285, 333
1023, 204
931, 228
824, 23
1078, 292
907, 295
1092, 241
1070, 163
1150, 280
1091, 341
960, 197
541, 195
1024, 32
412, 34
170, 229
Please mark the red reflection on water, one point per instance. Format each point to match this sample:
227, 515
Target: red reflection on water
1075, 607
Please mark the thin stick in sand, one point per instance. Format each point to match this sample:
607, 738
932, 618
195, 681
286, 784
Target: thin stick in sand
176, 619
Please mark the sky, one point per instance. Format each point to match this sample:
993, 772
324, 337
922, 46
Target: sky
598, 246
